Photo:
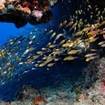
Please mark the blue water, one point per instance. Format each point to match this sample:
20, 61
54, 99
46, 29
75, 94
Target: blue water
8, 30
40, 77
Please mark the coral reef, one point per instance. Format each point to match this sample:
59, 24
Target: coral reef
68, 91
22, 11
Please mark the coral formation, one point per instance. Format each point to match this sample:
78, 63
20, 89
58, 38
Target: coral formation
22, 11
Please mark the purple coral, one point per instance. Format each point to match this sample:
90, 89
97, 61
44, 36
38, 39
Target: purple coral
38, 14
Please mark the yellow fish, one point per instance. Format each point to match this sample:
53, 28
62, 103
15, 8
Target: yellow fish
73, 51
93, 33
64, 23
50, 64
92, 39
57, 52
78, 33
90, 54
96, 9
104, 36
101, 43
40, 52
93, 50
44, 49
50, 31
62, 42
60, 25
68, 44
57, 37
69, 24
69, 58
86, 29
102, 32
53, 35
52, 46
42, 64
73, 26
91, 58
35, 57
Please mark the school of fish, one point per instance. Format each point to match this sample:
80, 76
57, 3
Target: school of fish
82, 33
